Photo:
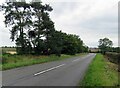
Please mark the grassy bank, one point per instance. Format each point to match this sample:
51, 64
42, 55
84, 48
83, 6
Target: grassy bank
14, 61
101, 72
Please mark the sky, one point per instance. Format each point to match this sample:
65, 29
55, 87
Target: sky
90, 19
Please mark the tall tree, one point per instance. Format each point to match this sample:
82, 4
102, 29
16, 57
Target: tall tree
56, 43
43, 26
105, 44
17, 17
34, 32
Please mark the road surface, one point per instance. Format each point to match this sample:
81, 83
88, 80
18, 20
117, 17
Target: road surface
67, 72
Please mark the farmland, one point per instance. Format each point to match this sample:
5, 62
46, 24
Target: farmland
10, 50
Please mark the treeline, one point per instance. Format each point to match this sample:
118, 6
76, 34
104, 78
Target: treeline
34, 32
112, 50
59, 43
8, 47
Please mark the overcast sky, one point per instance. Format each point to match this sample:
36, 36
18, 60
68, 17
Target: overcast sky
90, 19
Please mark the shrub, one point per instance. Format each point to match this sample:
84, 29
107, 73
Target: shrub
113, 57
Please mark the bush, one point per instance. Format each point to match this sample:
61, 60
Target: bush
113, 57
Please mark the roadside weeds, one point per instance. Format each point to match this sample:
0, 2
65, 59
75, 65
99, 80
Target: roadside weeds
14, 61
101, 72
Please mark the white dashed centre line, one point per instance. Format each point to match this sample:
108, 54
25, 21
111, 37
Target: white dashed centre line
48, 69
75, 60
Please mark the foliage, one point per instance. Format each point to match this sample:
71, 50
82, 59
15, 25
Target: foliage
114, 49
105, 44
14, 61
113, 57
34, 32
18, 19
72, 44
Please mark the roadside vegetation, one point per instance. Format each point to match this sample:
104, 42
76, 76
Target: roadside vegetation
113, 57
37, 40
33, 31
101, 72
13, 61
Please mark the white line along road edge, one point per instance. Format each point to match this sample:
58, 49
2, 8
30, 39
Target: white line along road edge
48, 69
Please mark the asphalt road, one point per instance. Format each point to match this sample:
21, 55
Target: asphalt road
66, 72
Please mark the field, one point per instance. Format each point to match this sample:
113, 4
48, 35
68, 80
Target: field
10, 50
101, 72
13, 61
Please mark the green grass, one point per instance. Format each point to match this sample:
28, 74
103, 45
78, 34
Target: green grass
0, 67
100, 73
14, 61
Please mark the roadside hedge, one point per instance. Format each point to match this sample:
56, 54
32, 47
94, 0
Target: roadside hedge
113, 57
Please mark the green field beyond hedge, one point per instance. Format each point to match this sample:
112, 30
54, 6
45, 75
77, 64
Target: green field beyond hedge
101, 72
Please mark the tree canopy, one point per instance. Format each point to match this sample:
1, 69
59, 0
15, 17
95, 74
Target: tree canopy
105, 44
33, 30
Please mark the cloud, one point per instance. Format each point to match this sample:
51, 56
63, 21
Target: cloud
91, 20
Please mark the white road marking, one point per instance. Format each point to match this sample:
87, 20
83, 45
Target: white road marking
75, 60
48, 70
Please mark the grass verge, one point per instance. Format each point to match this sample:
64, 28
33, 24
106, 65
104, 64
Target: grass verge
14, 61
101, 73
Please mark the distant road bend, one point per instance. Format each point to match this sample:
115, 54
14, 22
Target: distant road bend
67, 72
